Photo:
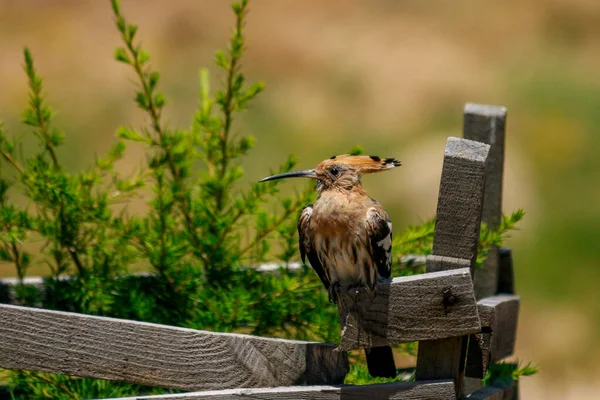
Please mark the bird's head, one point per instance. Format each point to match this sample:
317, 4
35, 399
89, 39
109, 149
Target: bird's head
342, 171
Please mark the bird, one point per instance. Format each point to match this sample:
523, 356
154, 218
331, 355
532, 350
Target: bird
347, 235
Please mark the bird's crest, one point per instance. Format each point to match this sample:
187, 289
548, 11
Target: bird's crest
362, 164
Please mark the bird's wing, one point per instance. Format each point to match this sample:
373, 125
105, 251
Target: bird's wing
379, 231
306, 247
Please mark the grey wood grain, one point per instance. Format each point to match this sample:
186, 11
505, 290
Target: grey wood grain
486, 124
503, 311
444, 357
158, 355
455, 243
442, 390
499, 315
460, 199
419, 307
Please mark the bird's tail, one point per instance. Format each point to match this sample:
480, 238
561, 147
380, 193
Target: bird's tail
380, 361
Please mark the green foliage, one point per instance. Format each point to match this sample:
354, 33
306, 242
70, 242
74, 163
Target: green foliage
48, 386
200, 231
418, 239
494, 237
359, 374
503, 374
289, 304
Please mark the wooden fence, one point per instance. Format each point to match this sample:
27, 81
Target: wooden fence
464, 318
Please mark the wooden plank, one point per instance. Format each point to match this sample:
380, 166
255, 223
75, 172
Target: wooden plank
486, 124
158, 355
460, 199
499, 315
442, 390
419, 307
506, 277
503, 311
456, 238
442, 357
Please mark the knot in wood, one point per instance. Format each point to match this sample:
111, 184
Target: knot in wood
449, 298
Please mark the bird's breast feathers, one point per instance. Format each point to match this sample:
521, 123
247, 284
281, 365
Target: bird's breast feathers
345, 256
351, 238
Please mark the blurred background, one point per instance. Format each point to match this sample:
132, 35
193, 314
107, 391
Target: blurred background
392, 76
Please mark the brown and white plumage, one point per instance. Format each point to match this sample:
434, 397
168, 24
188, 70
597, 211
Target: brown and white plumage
353, 247
346, 235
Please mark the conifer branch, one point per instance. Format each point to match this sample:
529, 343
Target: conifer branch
8, 157
39, 115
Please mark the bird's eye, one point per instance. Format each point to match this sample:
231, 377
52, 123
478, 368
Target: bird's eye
335, 171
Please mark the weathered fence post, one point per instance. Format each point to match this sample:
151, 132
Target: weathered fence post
486, 124
455, 246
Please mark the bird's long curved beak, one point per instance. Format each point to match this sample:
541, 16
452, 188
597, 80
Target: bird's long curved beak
307, 173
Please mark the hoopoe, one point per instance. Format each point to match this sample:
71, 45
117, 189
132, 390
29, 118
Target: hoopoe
346, 235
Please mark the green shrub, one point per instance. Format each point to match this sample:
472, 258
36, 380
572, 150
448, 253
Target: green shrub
198, 235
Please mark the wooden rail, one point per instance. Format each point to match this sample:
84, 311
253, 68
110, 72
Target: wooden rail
438, 390
158, 355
